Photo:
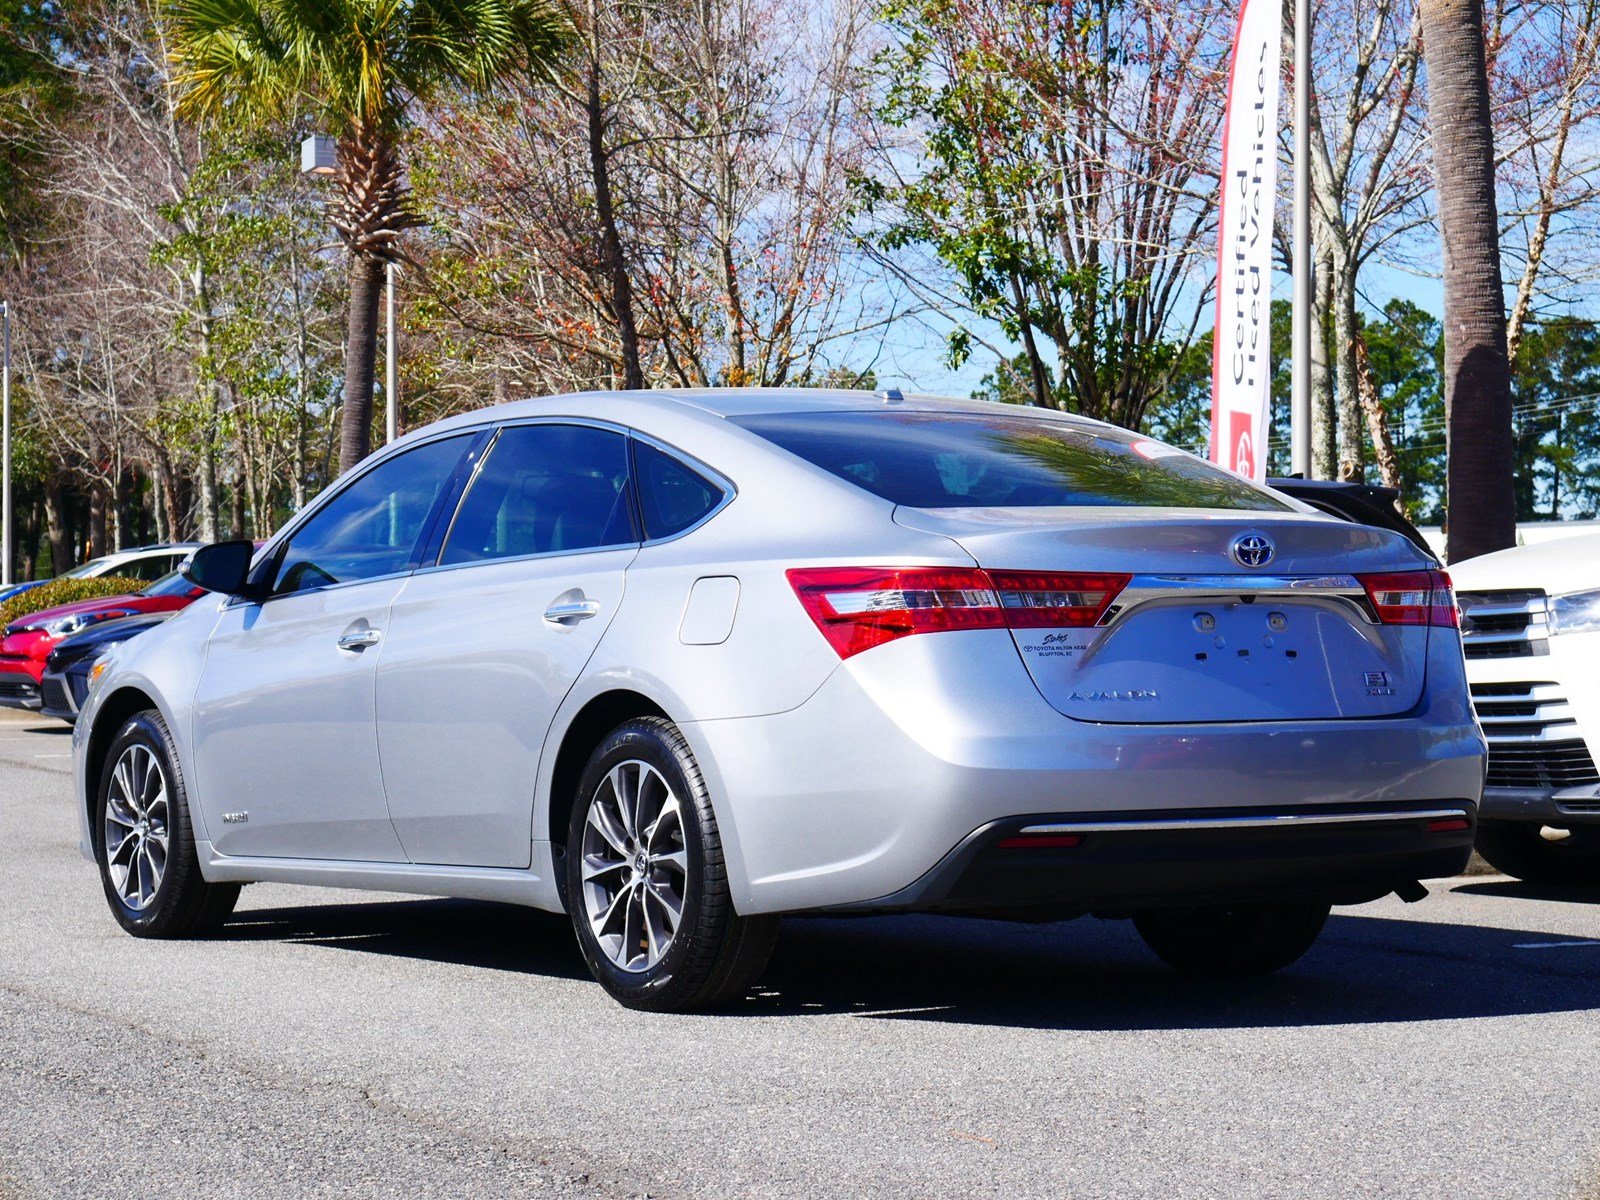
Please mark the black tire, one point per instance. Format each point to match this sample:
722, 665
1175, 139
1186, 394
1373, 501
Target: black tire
713, 955
1517, 848
182, 903
1246, 939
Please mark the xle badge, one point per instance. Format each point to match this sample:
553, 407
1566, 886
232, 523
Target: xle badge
1378, 684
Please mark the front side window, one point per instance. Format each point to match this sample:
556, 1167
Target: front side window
672, 496
371, 528
960, 460
544, 489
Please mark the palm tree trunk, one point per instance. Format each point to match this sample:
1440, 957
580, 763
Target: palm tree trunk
1481, 508
360, 354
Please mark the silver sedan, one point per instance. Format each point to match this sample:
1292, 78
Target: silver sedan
679, 662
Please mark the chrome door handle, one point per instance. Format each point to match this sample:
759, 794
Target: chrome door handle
360, 640
572, 612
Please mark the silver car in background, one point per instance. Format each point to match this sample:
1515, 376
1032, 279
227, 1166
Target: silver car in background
680, 662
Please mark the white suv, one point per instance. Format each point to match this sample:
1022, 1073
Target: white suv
1531, 632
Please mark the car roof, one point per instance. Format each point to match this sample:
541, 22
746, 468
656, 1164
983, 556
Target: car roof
747, 402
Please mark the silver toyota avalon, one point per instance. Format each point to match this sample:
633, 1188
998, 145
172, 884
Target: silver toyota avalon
677, 663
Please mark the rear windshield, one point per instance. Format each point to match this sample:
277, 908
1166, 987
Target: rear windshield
950, 460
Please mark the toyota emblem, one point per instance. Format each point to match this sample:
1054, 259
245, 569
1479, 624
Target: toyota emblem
1253, 549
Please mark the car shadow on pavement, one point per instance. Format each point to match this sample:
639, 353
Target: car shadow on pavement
1086, 974
496, 937
1516, 889
1095, 975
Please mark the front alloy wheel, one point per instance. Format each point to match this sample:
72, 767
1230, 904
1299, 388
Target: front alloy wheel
646, 885
149, 865
137, 835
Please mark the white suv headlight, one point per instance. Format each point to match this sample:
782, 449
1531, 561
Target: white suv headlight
1576, 612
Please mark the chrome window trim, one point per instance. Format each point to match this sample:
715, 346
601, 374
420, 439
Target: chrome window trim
728, 488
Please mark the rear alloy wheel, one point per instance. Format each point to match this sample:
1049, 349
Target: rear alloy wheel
1521, 849
646, 886
1244, 939
145, 843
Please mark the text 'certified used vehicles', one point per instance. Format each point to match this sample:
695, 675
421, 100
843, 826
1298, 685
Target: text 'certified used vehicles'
680, 662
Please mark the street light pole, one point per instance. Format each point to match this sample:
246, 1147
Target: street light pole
391, 366
5, 444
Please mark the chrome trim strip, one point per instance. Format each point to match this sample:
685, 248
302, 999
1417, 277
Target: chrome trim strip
1283, 820
1345, 590
1527, 608
1528, 633
1559, 731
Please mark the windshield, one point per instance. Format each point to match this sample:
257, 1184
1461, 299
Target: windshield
171, 584
84, 570
957, 460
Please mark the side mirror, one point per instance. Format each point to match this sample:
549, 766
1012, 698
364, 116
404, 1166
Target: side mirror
223, 568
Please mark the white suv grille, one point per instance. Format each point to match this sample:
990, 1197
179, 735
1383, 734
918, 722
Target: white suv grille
1504, 624
1534, 740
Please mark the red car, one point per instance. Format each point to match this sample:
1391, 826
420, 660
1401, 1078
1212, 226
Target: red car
29, 640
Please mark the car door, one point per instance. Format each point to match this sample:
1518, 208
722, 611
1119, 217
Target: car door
483, 646
286, 749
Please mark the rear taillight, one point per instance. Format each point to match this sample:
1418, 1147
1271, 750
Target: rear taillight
1412, 598
1036, 600
857, 608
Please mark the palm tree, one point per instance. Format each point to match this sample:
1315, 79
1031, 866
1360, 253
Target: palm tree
361, 69
1482, 505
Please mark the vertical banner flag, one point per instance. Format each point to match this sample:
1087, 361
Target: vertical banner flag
1241, 369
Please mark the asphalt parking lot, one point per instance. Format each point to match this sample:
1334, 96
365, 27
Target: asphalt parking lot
345, 1044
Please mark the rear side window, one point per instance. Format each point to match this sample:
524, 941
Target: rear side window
544, 489
672, 496
951, 460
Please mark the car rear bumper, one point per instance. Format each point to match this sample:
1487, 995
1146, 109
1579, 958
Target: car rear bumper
1057, 865
908, 753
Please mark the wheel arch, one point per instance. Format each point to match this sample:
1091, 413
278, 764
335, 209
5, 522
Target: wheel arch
587, 729
111, 714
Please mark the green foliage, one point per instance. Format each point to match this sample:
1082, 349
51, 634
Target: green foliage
1181, 414
1045, 208
359, 63
1011, 382
30, 84
1556, 387
1406, 350
65, 591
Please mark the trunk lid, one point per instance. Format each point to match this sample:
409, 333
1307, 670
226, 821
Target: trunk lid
1198, 637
